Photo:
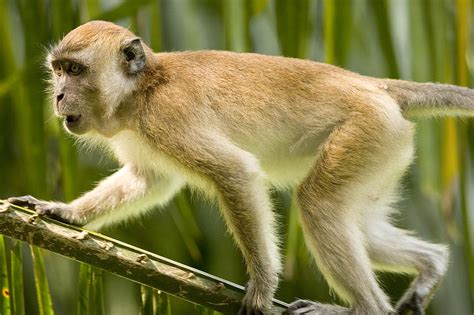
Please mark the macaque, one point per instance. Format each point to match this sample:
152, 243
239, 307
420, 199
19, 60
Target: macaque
233, 125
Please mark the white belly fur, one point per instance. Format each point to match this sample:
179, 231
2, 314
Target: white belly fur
282, 170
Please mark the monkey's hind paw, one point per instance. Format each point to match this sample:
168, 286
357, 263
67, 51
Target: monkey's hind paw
314, 308
413, 305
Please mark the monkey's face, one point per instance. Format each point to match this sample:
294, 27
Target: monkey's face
94, 70
74, 94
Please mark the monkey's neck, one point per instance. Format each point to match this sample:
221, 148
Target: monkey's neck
153, 76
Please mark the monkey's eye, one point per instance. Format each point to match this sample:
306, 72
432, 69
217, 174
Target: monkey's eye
58, 70
75, 68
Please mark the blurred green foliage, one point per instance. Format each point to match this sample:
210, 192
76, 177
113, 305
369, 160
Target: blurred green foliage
423, 40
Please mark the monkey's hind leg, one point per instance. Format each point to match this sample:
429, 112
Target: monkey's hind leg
332, 199
393, 249
337, 244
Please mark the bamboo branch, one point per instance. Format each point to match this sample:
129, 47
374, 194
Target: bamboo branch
123, 260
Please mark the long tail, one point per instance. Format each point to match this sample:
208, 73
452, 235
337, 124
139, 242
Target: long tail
432, 99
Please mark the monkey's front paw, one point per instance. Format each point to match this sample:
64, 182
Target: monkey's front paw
314, 308
55, 210
257, 301
249, 310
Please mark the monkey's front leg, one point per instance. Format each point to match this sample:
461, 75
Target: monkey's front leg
248, 214
126, 188
240, 187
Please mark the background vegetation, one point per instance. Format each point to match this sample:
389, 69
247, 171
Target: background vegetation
422, 40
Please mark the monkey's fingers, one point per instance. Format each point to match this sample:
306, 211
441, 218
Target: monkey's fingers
24, 201
54, 211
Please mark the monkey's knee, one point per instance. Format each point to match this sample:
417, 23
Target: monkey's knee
316, 204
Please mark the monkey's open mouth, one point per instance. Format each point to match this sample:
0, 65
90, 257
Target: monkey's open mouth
72, 119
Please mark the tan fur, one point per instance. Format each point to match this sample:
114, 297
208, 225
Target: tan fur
232, 125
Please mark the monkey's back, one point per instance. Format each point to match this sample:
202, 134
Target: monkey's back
248, 97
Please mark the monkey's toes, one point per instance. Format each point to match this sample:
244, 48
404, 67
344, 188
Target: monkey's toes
315, 308
304, 307
298, 304
414, 305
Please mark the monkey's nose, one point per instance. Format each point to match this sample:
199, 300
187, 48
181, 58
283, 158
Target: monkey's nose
59, 97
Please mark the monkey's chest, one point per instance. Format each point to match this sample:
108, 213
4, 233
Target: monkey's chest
130, 149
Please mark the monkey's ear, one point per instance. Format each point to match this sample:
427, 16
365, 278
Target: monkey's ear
134, 56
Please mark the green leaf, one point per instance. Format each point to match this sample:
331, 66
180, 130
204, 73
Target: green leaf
236, 25
463, 19
255, 7
380, 12
146, 300
16, 285
85, 272
187, 225
96, 292
10, 82
294, 238
93, 7
123, 10
293, 27
337, 30
4, 286
155, 27
186, 234
162, 302
91, 291
43, 295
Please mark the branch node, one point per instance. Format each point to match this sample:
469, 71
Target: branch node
33, 219
105, 245
81, 236
142, 258
4, 206
190, 275
218, 287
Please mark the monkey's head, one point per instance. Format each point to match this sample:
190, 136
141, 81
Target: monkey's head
94, 72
